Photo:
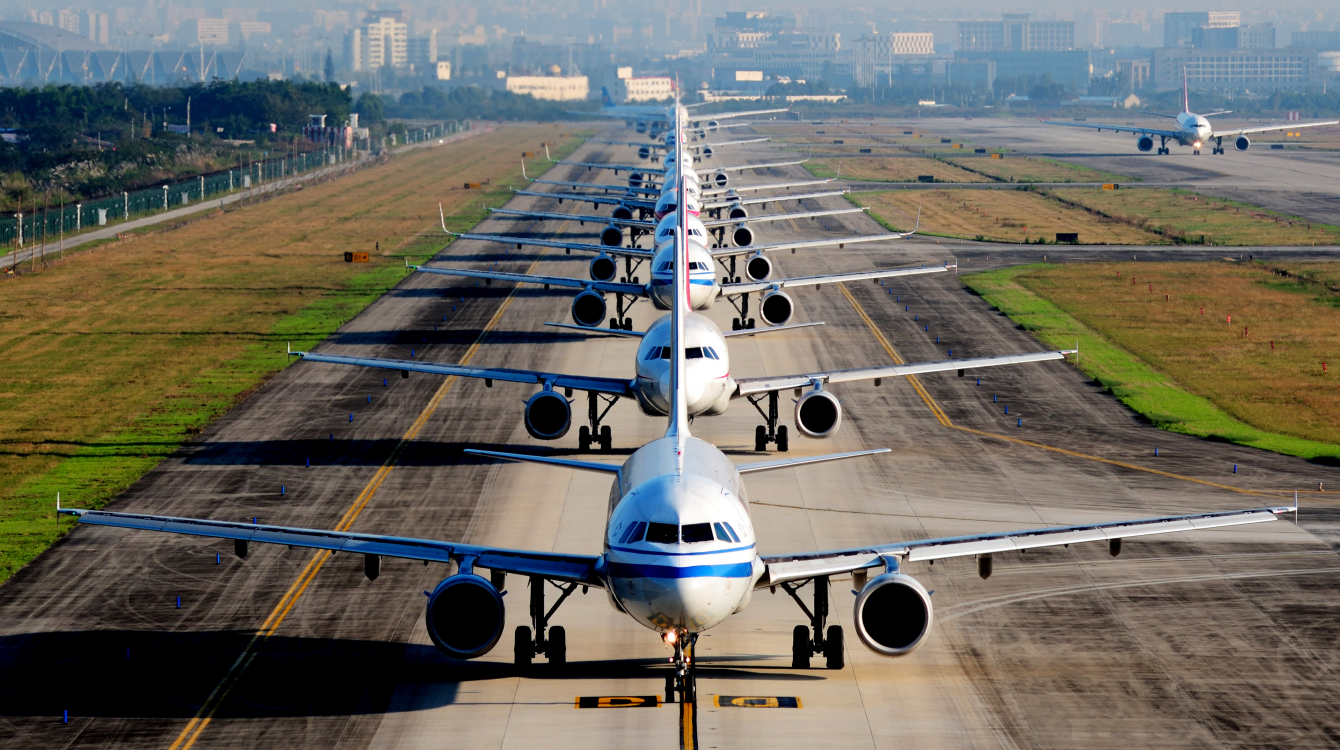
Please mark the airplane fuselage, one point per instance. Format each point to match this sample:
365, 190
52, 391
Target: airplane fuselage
708, 383
1194, 130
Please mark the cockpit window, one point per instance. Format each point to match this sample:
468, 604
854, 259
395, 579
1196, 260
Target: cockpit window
693, 352
721, 533
697, 532
634, 533
662, 533
665, 267
734, 537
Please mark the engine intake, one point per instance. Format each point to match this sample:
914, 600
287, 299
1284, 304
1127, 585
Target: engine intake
1145, 143
776, 308
548, 416
611, 236
588, 309
742, 236
758, 268
636, 179
712, 126
1242, 143
623, 213
893, 614
465, 616
708, 151
818, 414
720, 179
738, 212
644, 152
603, 268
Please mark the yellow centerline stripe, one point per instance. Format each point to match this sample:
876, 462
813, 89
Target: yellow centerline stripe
944, 420
197, 724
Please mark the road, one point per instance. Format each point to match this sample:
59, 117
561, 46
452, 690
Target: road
1222, 638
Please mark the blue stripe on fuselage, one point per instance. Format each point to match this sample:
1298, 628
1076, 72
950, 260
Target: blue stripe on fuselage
655, 552
633, 570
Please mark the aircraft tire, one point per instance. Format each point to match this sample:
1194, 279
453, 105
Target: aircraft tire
606, 439
800, 647
558, 646
760, 438
783, 440
523, 650
834, 654
584, 439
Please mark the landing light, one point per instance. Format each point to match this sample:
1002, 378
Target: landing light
670, 637
1197, 144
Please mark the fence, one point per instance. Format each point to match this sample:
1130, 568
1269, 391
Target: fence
19, 230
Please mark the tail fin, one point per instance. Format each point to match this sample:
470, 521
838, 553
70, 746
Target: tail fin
1186, 99
679, 412
605, 98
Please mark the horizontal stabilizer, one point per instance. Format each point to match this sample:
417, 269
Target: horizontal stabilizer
787, 463
571, 464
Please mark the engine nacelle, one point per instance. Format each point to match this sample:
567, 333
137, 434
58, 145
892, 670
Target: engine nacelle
588, 309
758, 268
548, 416
611, 236
818, 413
776, 308
720, 179
465, 616
644, 152
742, 236
636, 179
1242, 143
622, 213
603, 268
893, 614
708, 151
1145, 143
738, 212
712, 126
641, 126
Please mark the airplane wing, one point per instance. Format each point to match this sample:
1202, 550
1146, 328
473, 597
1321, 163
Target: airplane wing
616, 167
594, 200
730, 115
725, 334
781, 217
742, 167
766, 199
762, 186
748, 386
558, 566
613, 386
1268, 128
804, 244
599, 186
748, 287
796, 567
579, 218
583, 246
526, 278
1116, 128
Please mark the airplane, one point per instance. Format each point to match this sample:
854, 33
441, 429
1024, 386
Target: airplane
655, 119
1191, 130
642, 175
705, 150
679, 552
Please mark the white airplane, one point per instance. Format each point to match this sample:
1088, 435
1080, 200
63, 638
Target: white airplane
1192, 129
679, 553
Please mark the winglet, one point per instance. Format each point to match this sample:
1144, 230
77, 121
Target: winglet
838, 176
523, 169
546, 152
1295, 505
1295, 501
442, 216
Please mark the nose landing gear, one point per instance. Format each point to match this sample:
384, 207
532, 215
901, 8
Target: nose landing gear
683, 682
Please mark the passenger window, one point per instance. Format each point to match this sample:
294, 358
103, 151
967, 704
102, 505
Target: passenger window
662, 533
697, 532
721, 533
734, 537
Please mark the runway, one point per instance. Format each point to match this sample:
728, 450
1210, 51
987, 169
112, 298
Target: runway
1223, 638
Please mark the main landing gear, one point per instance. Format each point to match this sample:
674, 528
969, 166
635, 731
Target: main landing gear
622, 322
1163, 146
1218, 146
683, 682
803, 645
743, 322
554, 643
595, 434
771, 432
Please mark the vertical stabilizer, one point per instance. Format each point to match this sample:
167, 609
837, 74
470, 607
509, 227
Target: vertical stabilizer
1186, 99
679, 412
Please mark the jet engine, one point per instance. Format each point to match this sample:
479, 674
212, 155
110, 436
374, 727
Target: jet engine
758, 268
893, 614
622, 213
644, 152
641, 126
743, 236
776, 308
548, 416
1145, 143
720, 179
708, 151
818, 413
636, 179
1242, 143
738, 212
712, 126
603, 268
588, 309
465, 616
611, 236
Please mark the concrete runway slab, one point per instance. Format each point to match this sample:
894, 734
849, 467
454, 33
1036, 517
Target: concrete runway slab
1222, 638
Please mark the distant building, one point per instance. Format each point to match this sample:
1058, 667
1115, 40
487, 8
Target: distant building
1071, 68
443, 70
758, 21
1016, 32
1319, 40
645, 88
911, 43
557, 88
1255, 36
1220, 69
68, 20
211, 31
421, 51
98, 27
1179, 28
1136, 72
381, 41
248, 29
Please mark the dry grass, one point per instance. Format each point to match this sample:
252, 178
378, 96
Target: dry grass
1029, 169
1180, 216
1279, 389
999, 215
894, 169
122, 352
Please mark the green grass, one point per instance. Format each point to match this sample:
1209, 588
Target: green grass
1137, 385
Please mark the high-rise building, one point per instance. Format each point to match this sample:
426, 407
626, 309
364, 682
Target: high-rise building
1253, 69
98, 27
1016, 32
353, 49
211, 31
385, 41
1318, 40
421, 51
1179, 28
68, 20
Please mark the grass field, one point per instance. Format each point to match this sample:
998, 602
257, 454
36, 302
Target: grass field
1257, 381
999, 215
117, 356
1178, 215
896, 169
1033, 169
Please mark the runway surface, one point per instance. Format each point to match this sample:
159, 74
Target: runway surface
1217, 639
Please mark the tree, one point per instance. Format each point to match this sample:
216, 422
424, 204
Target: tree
330, 67
371, 110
